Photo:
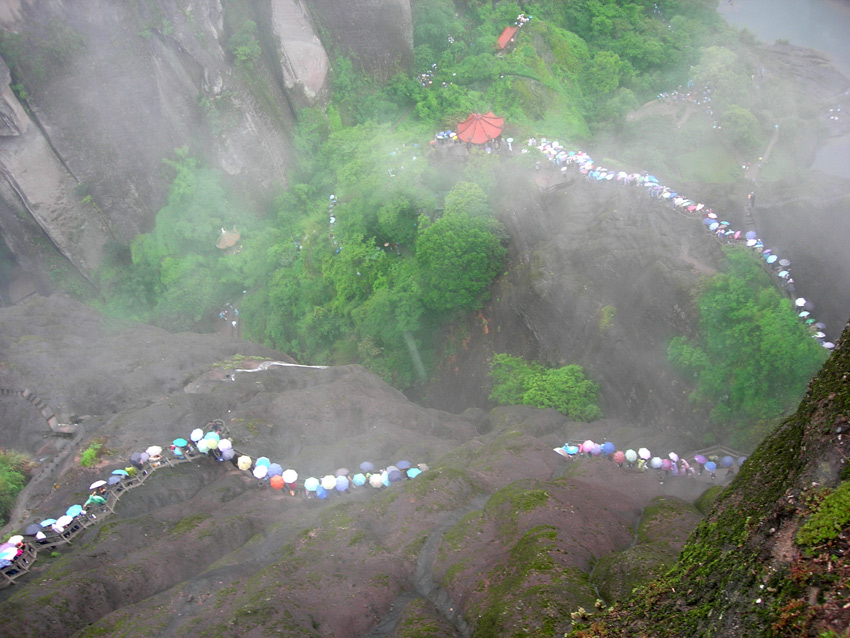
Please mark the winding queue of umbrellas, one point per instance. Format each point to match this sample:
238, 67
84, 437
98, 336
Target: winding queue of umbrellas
642, 459
563, 158
218, 446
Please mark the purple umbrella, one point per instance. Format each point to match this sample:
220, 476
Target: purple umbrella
403, 465
727, 461
699, 458
366, 466
751, 234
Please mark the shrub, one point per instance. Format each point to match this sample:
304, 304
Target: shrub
831, 516
91, 454
564, 389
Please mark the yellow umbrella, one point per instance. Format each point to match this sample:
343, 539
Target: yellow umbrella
244, 463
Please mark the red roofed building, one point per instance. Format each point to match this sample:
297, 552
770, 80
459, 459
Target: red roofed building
506, 37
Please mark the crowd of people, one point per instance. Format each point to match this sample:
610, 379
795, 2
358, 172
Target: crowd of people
563, 160
213, 442
642, 460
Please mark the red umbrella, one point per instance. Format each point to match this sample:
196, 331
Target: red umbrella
478, 128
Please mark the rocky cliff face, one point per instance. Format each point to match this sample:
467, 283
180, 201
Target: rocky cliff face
500, 534
104, 91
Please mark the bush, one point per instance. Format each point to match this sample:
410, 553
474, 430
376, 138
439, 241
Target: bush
91, 454
15, 469
564, 389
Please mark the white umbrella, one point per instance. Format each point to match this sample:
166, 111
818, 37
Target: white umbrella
800, 302
97, 484
644, 453
197, 434
154, 450
374, 480
329, 481
260, 471
290, 476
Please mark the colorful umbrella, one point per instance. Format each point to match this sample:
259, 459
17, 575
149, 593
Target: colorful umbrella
644, 453
121, 472
311, 484
329, 481
619, 457
655, 463
699, 458
413, 472
342, 483
711, 466
631, 456
276, 482
608, 448
358, 479
244, 462
275, 469
179, 443
366, 466
263, 460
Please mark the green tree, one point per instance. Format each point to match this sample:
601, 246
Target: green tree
742, 129
565, 389
601, 75
244, 44
753, 357
458, 258
467, 198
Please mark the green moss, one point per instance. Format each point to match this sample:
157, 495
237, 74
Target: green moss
187, 524
828, 520
706, 500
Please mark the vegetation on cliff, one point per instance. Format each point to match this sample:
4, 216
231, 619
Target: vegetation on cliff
519, 382
762, 563
753, 357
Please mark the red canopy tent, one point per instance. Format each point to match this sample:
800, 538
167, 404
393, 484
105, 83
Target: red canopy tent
479, 129
506, 37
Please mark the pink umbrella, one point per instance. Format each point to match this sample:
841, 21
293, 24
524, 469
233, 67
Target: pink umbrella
619, 457
737, 235
699, 458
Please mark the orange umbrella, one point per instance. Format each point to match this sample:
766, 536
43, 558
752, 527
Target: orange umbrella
277, 482
478, 128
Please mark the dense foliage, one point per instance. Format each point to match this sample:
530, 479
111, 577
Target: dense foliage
407, 243
15, 469
520, 382
753, 357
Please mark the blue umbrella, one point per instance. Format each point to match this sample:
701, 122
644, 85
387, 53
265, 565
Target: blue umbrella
359, 480
74, 510
413, 472
342, 483
47, 522
263, 460
727, 461
708, 221
771, 258
275, 469
652, 178
394, 475
179, 443
113, 480
403, 465
751, 234
366, 466
572, 450
711, 466
608, 448
121, 472
321, 492
741, 460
